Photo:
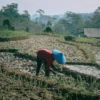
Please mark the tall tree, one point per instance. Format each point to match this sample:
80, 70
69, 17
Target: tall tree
94, 21
72, 23
96, 18
10, 10
40, 11
75, 21
26, 14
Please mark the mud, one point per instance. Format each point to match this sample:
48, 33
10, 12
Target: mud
29, 66
86, 69
25, 65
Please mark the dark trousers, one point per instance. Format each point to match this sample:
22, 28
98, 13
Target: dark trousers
39, 63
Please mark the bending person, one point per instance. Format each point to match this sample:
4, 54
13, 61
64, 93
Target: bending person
47, 57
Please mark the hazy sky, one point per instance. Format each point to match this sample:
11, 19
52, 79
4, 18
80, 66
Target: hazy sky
54, 6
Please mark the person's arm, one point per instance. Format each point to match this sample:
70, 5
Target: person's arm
50, 69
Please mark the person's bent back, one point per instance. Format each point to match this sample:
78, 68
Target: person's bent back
45, 56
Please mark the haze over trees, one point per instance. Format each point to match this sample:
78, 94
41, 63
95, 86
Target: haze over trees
70, 23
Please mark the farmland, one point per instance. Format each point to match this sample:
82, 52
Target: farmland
17, 71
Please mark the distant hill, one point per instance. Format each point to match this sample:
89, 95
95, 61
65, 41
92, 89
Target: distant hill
45, 18
33, 17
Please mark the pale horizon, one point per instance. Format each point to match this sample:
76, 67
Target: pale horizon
54, 7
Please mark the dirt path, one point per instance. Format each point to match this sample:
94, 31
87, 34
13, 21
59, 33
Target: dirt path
24, 65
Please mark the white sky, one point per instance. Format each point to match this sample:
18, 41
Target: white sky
53, 7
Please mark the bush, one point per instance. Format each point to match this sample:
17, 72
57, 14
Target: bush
6, 22
48, 29
69, 38
12, 28
84, 36
27, 29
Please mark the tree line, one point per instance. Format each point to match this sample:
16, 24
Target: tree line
9, 14
75, 23
72, 23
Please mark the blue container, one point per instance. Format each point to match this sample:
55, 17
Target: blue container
59, 56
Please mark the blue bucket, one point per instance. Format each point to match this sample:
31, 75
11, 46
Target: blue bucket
59, 56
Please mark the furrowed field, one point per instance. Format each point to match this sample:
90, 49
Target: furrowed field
79, 80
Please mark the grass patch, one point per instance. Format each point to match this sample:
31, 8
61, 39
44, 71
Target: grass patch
6, 35
9, 34
87, 40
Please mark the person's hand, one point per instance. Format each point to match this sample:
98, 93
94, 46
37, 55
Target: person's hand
64, 65
54, 72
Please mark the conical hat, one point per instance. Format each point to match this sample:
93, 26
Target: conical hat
59, 56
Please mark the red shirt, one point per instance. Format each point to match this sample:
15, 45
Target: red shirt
46, 54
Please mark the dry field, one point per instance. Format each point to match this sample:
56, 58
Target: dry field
34, 43
74, 52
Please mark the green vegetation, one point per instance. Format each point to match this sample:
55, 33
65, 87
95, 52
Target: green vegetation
69, 85
69, 38
6, 35
17, 85
11, 34
72, 23
81, 39
87, 40
11, 19
62, 35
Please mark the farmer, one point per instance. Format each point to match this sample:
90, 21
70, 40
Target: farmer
47, 57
